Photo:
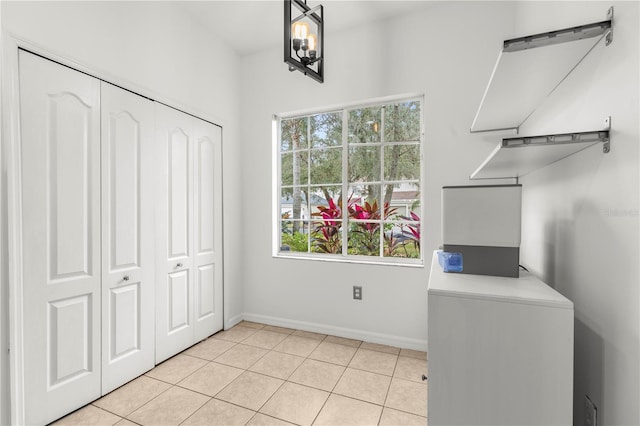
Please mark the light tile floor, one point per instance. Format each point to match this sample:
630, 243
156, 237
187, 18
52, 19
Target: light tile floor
255, 374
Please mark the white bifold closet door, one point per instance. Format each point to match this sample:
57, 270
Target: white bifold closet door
60, 188
128, 288
189, 231
87, 237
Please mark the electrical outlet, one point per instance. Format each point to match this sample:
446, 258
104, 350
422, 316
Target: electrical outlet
357, 292
590, 412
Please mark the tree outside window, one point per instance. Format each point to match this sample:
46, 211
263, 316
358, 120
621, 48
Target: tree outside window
349, 182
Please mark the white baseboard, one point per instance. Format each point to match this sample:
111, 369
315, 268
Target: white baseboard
349, 333
233, 321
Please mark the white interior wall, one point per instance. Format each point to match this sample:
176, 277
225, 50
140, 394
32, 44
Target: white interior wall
5, 414
153, 48
580, 226
445, 50
580, 215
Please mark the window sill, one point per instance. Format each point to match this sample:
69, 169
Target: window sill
363, 260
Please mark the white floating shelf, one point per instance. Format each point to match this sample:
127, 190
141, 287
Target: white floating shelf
530, 68
516, 157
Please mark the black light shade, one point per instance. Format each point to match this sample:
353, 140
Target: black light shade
303, 38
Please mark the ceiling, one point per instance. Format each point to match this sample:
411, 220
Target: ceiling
253, 25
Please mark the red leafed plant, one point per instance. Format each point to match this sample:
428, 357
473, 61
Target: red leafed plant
326, 238
364, 229
330, 213
368, 241
413, 233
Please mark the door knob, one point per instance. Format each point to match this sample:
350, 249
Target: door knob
125, 278
179, 265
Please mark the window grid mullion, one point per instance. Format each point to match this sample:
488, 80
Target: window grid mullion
382, 185
308, 183
345, 182
279, 186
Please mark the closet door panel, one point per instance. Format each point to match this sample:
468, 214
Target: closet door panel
206, 296
68, 186
174, 230
124, 321
128, 291
179, 168
208, 228
60, 189
70, 338
206, 156
122, 150
178, 307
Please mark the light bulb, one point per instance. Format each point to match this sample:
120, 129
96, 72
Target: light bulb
312, 42
300, 30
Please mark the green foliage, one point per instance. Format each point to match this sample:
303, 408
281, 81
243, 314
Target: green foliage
364, 237
391, 244
312, 155
402, 122
406, 250
293, 134
296, 241
326, 166
364, 163
363, 243
401, 239
364, 125
326, 239
326, 130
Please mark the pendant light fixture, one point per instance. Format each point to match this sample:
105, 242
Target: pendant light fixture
303, 38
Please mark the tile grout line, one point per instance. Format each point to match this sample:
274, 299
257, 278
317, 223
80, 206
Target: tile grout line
287, 381
176, 385
167, 390
195, 411
273, 349
298, 384
266, 375
268, 399
390, 382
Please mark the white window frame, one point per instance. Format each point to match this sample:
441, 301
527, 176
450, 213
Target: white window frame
277, 190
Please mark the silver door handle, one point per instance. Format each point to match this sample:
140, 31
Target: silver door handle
125, 278
179, 265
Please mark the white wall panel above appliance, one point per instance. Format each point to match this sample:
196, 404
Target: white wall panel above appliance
482, 215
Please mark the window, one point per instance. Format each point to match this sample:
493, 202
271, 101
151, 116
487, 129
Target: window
349, 183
